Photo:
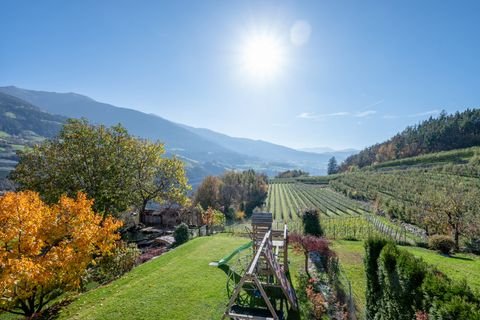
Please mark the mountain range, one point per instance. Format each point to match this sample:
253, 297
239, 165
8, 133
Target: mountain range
204, 151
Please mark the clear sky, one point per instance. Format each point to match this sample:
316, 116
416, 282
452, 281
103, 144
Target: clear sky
339, 73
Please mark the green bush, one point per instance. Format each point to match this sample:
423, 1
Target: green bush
311, 223
400, 276
407, 287
120, 261
306, 306
455, 308
441, 243
181, 234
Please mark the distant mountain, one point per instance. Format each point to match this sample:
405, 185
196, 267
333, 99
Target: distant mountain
329, 150
340, 155
177, 139
204, 151
22, 125
18, 117
317, 150
266, 151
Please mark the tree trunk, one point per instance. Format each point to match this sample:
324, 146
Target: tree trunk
456, 237
142, 209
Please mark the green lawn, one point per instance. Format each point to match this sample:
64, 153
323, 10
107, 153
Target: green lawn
458, 267
178, 285
350, 254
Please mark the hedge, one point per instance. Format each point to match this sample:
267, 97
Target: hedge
400, 286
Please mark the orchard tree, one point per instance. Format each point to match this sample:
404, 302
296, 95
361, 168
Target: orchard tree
46, 249
453, 209
108, 164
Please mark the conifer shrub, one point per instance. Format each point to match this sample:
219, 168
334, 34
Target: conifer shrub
373, 247
311, 223
181, 234
400, 286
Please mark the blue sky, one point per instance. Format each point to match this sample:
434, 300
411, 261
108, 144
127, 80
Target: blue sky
367, 69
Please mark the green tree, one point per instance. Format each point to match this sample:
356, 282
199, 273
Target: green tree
106, 163
453, 210
332, 167
238, 190
208, 193
230, 190
157, 178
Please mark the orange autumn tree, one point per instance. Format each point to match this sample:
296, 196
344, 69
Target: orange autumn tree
45, 250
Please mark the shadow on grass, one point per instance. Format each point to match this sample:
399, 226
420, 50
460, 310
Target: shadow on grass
460, 258
53, 312
449, 256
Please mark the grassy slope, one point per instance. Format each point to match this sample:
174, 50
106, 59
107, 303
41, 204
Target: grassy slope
351, 253
177, 285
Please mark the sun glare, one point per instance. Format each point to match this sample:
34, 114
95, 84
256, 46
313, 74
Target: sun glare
262, 56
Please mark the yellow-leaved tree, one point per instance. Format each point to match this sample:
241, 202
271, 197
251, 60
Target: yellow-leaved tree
45, 250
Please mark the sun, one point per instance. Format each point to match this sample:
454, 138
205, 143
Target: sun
262, 56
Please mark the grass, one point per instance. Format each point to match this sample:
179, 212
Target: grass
350, 254
178, 285
457, 267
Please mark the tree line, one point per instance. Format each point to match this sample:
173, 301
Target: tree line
233, 192
446, 132
292, 174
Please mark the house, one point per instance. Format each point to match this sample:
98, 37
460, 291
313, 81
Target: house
169, 215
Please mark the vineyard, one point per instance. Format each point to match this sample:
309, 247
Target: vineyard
341, 217
287, 201
425, 198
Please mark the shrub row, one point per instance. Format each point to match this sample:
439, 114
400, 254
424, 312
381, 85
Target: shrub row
402, 287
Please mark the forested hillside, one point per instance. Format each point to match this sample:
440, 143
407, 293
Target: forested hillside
19, 116
22, 125
447, 132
